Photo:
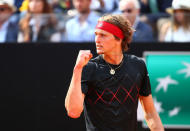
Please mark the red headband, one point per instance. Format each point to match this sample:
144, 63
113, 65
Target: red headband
110, 28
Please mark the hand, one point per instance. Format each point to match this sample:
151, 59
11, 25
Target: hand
83, 57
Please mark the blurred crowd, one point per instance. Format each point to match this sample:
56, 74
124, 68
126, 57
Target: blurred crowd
23, 21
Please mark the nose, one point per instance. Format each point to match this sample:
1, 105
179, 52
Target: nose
97, 39
126, 14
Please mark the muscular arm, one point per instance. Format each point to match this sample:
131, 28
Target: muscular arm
151, 116
75, 98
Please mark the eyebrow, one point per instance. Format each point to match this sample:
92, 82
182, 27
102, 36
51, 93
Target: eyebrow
96, 32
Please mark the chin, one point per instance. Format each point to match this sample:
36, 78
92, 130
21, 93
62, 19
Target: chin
99, 52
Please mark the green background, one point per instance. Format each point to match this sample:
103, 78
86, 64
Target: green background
177, 95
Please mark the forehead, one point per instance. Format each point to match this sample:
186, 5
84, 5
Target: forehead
179, 10
126, 4
100, 31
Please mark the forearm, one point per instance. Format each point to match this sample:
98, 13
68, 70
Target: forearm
154, 122
75, 98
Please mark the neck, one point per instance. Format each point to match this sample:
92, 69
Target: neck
1, 23
83, 17
135, 22
114, 59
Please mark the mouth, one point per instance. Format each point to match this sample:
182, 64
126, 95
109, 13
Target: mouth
98, 46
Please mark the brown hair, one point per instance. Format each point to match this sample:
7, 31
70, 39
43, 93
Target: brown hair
24, 22
186, 24
124, 25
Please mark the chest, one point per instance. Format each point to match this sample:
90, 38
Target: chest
121, 88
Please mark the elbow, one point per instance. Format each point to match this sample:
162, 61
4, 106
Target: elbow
74, 113
154, 123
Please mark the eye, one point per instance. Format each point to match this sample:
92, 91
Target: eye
102, 35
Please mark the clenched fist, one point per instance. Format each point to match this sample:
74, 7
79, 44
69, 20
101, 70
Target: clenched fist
83, 57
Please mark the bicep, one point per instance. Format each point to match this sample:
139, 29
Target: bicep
147, 103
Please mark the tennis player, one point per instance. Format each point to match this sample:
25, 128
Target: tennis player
109, 86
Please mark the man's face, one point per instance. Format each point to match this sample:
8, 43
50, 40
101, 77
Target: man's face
129, 11
105, 42
82, 6
5, 12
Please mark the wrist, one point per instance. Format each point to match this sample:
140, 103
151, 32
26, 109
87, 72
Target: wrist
78, 68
